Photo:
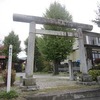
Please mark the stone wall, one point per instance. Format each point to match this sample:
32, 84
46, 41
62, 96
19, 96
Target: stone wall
78, 95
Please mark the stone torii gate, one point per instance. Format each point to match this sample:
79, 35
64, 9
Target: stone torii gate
33, 20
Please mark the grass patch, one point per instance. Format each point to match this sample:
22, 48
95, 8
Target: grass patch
8, 95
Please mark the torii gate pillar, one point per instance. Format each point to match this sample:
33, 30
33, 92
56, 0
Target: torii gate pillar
29, 82
83, 64
30, 52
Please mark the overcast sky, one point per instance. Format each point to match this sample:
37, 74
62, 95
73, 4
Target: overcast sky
83, 11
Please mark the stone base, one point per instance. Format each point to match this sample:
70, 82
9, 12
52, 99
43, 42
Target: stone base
29, 88
85, 78
29, 81
29, 84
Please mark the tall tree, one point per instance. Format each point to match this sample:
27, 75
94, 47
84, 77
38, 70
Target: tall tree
57, 48
12, 39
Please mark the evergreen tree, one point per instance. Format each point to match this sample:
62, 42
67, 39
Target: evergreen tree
12, 39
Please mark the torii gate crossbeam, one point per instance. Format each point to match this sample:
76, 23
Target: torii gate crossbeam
49, 21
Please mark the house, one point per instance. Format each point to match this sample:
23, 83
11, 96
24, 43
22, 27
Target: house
91, 47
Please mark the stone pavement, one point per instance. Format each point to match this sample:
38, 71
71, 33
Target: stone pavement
49, 81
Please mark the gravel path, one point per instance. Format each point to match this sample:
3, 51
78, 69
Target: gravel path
49, 81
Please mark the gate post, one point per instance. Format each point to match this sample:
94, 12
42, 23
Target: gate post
83, 64
30, 52
29, 82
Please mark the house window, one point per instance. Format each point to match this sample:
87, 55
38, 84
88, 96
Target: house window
98, 40
87, 39
95, 54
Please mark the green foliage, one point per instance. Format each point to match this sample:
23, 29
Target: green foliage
38, 57
94, 74
8, 95
57, 11
55, 47
47, 67
5, 73
13, 40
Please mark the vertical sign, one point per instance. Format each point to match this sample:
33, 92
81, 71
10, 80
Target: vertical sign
9, 68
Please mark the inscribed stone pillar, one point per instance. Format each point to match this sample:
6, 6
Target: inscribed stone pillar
9, 68
83, 64
30, 57
70, 70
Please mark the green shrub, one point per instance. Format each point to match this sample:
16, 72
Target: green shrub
8, 95
94, 74
5, 73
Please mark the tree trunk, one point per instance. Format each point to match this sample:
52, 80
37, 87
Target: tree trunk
34, 67
55, 67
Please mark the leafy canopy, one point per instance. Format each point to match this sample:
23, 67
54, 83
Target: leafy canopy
57, 48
